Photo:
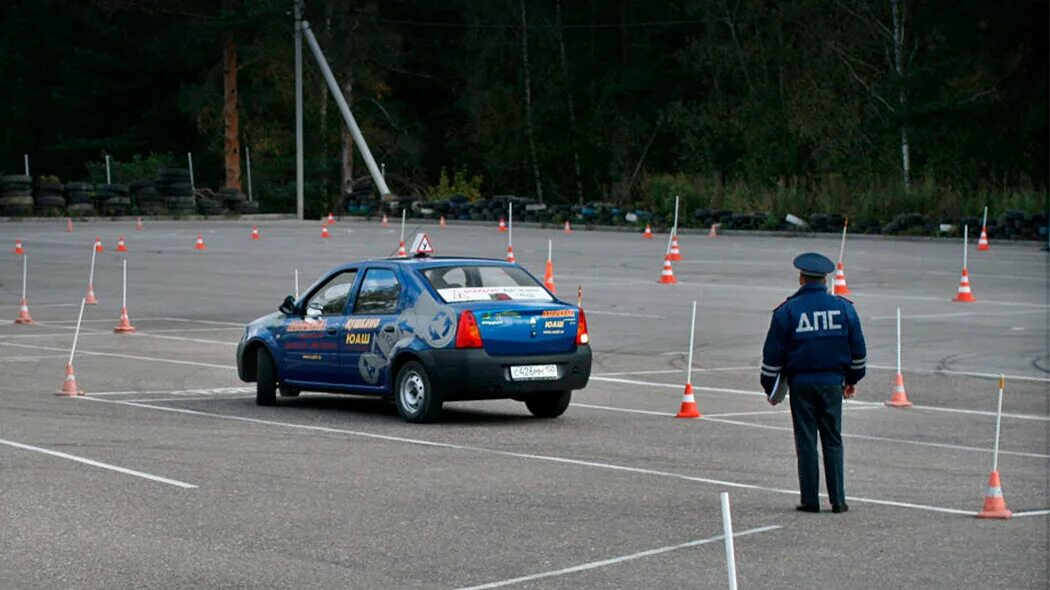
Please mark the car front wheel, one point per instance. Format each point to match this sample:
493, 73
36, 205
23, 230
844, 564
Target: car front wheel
550, 404
266, 379
415, 398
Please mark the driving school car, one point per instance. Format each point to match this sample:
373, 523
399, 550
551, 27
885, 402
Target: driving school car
423, 331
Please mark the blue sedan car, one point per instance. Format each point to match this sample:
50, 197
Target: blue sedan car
424, 331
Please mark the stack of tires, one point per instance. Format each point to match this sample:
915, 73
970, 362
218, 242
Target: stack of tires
16, 195
174, 186
146, 198
50, 199
237, 202
78, 199
112, 199
210, 204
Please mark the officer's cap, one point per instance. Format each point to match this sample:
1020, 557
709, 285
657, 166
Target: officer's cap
813, 264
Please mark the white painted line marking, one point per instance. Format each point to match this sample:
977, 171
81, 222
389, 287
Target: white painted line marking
202, 391
36, 305
15, 359
616, 560
994, 376
193, 321
99, 464
127, 356
620, 314
1032, 513
957, 314
664, 371
548, 458
189, 399
655, 413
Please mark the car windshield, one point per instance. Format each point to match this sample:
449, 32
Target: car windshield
465, 282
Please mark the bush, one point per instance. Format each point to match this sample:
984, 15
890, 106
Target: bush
460, 185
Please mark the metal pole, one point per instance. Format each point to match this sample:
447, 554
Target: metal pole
692, 330
76, 334
842, 246
984, 221
91, 275
26, 156
998, 422
403, 212
248, 167
550, 250
189, 160
25, 266
297, 283
510, 225
382, 170
674, 228
727, 532
299, 173
340, 100
124, 297
966, 240
108, 178
898, 341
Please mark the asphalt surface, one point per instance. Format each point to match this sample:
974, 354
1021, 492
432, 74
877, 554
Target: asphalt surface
327, 491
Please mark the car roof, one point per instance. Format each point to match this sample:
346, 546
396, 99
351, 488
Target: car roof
424, 262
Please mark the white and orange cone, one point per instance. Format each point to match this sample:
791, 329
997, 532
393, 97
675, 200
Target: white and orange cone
568, 228
69, 385
965, 295
688, 408
121, 246
90, 297
648, 232
255, 232
441, 223
324, 231
899, 397
98, 245
401, 252
840, 287
548, 275
18, 247
138, 224
510, 255
386, 221
69, 225
714, 231
502, 225
200, 243
994, 502
674, 253
331, 218
124, 325
982, 243
667, 275
23, 313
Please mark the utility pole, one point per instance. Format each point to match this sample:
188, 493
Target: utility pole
297, 7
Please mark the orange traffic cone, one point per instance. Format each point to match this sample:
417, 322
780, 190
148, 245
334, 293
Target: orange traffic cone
510, 255
69, 386
255, 232
124, 325
994, 503
568, 228
324, 231
964, 295
840, 287
23, 313
502, 225
401, 252
441, 222
982, 244
98, 245
688, 408
200, 243
899, 398
138, 224
69, 225
667, 276
331, 218
121, 246
675, 254
714, 231
90, 297
386, 221
18, 247
648, 232
548, 277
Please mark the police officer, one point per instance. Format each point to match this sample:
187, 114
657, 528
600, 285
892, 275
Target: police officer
815, 343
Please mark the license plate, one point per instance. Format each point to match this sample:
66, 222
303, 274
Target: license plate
534, 372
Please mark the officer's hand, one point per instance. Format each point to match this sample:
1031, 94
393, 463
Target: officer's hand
849, 391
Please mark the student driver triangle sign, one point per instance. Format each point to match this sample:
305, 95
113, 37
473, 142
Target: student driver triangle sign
421, 245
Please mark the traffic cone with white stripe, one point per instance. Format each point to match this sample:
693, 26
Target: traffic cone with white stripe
98, 245
90, 299
18, 247
840, 287
23, 313
568, 228
331, 218
255, 232
200, 243
982, 244
714, 231
401, 252
510, 255
688, 408
899, 397
648, 232
674, 254
386, 221
994, 503
124, 325
69, 385
324, 231
548, 277
441, 223
121, 246
138, 224
502, 225
964, 295
667, 276
69, 225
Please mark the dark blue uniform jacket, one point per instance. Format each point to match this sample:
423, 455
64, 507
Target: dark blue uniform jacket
814, 337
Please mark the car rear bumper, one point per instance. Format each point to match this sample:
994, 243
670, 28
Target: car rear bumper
475, 374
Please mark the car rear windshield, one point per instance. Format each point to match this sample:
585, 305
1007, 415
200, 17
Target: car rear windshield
465, 282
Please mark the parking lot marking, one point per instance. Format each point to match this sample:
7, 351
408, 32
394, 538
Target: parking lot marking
957, 314
662, 371
615, 560
128, 356
994, 376
626, 315
654, 413
548, 458
1032, 513
99, 464
93, 332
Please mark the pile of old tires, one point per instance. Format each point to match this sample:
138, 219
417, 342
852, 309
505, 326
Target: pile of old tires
50, 198
146, 198
79, 196
237, 202
16, 195
173, 184
112, 199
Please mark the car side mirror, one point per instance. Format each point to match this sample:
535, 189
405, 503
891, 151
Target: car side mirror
287, 306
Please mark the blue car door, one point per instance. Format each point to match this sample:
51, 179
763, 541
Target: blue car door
372, 330
309, 345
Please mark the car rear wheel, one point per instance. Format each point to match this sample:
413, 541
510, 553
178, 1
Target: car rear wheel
415, 398
550, 404
266, 379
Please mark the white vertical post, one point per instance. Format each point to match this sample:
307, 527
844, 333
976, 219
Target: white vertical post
297, 283
842, 245
91, 275
510, 225
674, 227
966, 240
382, 169
689, 362
403, 213
984, 220
998, 422
297, 9
550, 249
26, 157
248, 168
76, 333
109, 178
25, 266
124, 296
898, 341
189, 160
727, 532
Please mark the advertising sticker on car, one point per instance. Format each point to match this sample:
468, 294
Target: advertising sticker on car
458, 294
534, 373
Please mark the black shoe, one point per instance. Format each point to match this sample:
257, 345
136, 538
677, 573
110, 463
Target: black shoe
807, 508
839, 508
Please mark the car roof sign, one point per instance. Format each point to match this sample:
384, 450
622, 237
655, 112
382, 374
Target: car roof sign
421, 245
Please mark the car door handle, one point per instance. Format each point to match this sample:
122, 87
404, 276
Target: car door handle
331, 331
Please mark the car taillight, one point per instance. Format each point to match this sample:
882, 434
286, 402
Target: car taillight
582, 337
467, 333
